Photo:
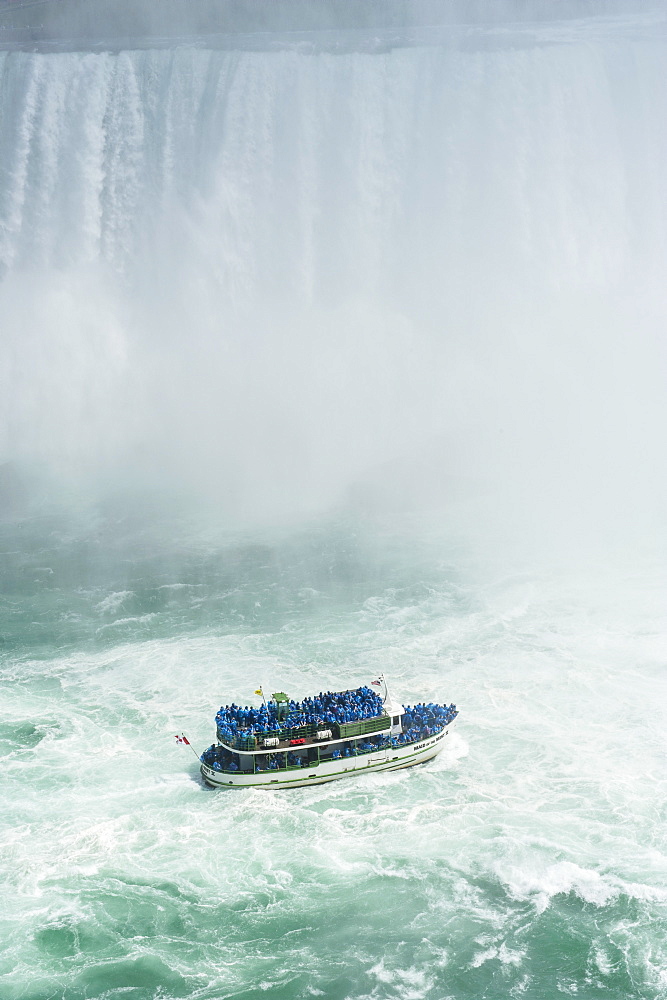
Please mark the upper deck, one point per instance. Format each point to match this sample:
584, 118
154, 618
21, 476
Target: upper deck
283, 723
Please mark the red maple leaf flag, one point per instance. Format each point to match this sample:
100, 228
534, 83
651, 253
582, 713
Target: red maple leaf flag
182, 739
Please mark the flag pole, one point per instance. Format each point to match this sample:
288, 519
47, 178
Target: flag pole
261, 691
377, 684
184, 738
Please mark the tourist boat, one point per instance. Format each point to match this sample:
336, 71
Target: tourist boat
288, 744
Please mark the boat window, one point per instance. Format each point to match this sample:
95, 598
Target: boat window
396, 720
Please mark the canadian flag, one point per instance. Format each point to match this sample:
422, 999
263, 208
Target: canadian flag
182, 739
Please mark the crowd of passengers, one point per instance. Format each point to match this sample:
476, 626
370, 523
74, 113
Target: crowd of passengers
220, 759
321, 711
419, 722
424, 719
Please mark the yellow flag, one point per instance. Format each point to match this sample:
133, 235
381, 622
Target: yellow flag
258, 692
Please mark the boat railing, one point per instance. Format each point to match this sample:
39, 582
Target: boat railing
364, 727
245, 741
254, 741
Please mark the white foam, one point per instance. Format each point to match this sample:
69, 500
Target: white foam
112, 602
561, 878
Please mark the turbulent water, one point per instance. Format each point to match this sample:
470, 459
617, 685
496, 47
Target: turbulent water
528, 860
323, 356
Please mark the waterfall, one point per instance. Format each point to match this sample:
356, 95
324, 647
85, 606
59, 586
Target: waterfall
267, 272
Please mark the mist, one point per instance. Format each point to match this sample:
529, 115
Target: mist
379, 264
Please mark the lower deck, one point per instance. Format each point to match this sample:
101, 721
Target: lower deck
322, 768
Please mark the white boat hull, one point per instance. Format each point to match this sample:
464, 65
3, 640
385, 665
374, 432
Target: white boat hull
389, 759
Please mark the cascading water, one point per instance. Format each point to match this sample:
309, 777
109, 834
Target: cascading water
269, 271
413, 276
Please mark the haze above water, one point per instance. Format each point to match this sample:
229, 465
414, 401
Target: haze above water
332, 342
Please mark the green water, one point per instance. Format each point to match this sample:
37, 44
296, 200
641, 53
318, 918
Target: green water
528, 860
